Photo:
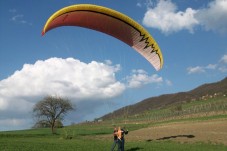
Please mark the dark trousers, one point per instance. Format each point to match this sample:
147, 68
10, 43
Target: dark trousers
114, 144
121, 144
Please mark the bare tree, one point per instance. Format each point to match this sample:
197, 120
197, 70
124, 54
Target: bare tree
52, 109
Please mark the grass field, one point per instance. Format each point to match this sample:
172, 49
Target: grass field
89, 137
98, 137
36, 142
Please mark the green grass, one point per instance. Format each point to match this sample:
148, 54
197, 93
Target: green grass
84, 136
84, 139
48, 144
195, 119
56, 143
186, 108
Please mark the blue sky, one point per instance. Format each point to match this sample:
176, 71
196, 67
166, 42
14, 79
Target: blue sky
100, 73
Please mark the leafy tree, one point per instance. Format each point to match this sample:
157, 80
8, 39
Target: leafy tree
52, 109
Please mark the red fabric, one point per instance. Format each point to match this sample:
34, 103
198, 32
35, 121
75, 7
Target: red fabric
96, 21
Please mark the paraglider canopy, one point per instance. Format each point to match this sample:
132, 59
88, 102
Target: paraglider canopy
111, 22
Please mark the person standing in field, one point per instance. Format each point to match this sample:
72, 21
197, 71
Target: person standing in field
119, 142
115, 139
123, 133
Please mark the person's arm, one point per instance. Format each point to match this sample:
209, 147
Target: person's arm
125, 132
115, 133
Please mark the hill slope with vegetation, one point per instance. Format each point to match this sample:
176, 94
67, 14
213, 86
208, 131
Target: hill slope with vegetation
211, 91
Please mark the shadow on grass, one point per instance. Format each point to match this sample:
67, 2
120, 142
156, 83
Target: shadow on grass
169, 137
134, 149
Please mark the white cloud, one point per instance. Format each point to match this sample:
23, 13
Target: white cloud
166, 17
14, 124
139, 78
3, 104
224, 59
149, 3
222, 69
197, 69
168, 82
109, 62
220, 66
211, 66
139, 4
8, 122
88, 85
18, 18
64, 77
223, 64
214, 16
81, 82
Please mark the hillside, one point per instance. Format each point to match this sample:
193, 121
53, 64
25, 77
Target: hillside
200, 93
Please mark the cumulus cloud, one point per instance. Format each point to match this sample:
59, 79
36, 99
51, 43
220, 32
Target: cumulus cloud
214, 16
88, 85
64, 77
69, 78
141, 77
221, 66
166, 17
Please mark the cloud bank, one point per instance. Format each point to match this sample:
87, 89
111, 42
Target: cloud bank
166, 17
86, 84
64, 77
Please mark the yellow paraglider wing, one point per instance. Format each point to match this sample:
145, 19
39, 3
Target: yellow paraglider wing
112, 23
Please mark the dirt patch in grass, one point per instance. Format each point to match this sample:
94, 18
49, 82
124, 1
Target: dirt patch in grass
212, 131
